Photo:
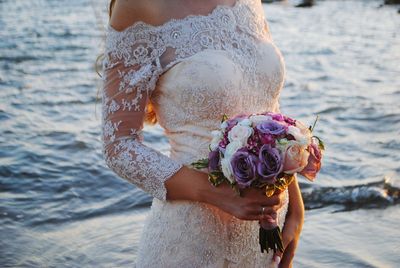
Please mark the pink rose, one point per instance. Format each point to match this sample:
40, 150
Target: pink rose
314, 162
296, 157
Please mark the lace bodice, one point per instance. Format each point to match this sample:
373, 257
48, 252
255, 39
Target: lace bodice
192, 70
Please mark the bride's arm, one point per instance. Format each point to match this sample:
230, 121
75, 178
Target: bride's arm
293, 225
293, 222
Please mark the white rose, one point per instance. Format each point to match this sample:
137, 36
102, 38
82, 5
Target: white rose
217, 137
257, 119
303, 138
224, 125
227, 169
282, 144
245, 122
240, 133
231, 149
304, 130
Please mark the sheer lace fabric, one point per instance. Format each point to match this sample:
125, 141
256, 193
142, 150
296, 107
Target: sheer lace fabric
192, 70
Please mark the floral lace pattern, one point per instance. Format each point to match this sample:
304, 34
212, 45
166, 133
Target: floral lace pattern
193, 70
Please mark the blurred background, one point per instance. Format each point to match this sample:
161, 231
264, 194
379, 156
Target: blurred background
60, 206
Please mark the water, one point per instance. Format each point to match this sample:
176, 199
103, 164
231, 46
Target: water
61, 207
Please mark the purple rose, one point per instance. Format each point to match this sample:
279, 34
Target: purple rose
271, 127
213, 161
270, 163
244, 167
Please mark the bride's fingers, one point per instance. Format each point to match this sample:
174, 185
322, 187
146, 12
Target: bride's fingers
274, 200
264, 211
251, 213
283, 260
258, 213
278, 256
277, 259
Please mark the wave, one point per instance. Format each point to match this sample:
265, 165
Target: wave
378, 194
118, 205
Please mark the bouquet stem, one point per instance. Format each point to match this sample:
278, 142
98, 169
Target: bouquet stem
271, 239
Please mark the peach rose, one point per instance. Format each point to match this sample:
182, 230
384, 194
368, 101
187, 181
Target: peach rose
314, 162
295, 157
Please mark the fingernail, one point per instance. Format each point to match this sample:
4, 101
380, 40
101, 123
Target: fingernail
277, 259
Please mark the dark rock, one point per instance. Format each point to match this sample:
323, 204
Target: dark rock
392, 2
306, 3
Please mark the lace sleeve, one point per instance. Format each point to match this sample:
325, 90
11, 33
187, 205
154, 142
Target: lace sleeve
130, 74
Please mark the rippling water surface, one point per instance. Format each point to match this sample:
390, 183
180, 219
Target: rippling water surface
61, 207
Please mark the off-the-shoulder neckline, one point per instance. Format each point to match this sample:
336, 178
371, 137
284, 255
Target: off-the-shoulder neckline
173, 20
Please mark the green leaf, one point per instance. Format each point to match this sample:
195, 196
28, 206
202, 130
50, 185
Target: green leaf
224, 118
216, 178
315, 122
199, 164
236, 189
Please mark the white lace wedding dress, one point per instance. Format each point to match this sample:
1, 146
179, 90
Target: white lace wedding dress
192, 70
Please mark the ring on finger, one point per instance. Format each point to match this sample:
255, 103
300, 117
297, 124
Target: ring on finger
262, 211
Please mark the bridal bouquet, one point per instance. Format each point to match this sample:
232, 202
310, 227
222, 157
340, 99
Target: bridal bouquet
264, 151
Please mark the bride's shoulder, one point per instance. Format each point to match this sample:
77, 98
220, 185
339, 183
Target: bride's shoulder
127, 12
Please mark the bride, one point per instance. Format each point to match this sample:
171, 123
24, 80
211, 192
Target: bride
183, 64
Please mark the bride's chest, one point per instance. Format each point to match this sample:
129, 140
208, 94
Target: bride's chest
216, 82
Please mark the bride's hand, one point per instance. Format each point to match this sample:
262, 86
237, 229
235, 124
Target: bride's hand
190, 184
292, 228
248, 206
